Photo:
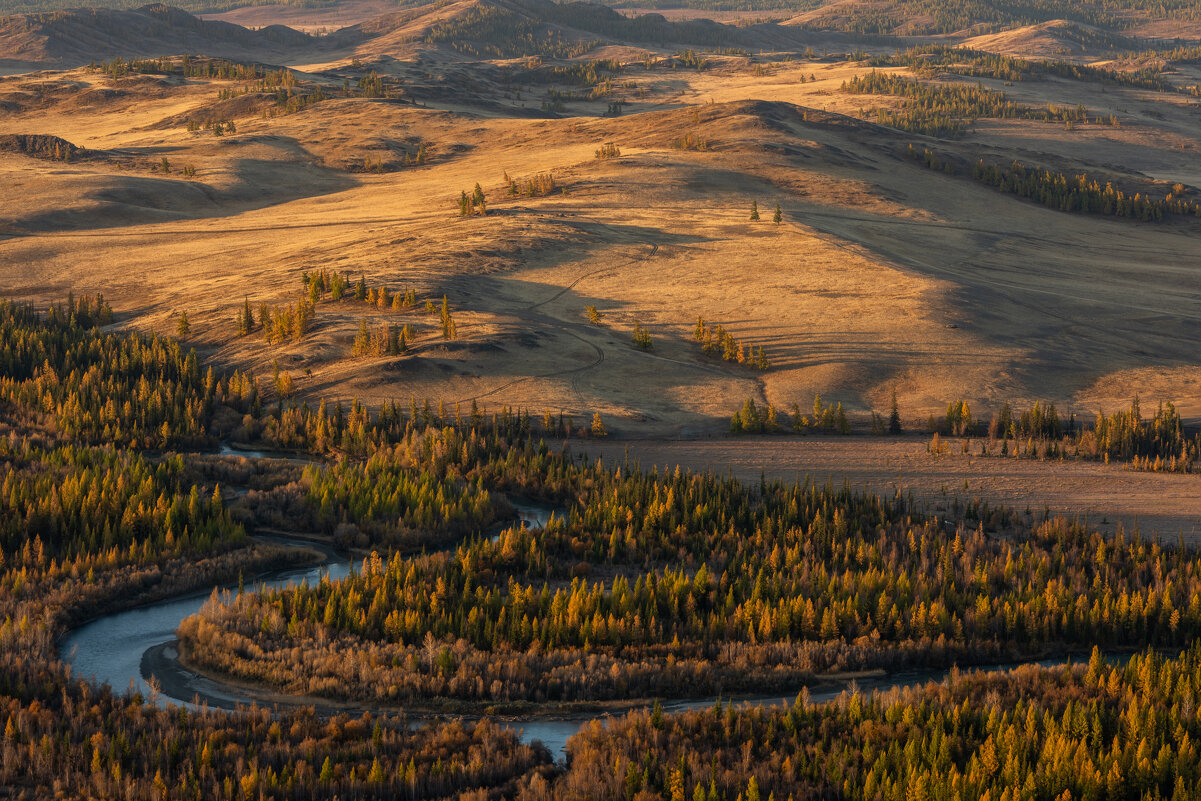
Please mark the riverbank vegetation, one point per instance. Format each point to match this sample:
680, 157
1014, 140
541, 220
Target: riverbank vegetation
654, 584
644, 584
1089, 730
90, 526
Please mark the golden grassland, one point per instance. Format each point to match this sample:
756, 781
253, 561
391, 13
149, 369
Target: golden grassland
882, 275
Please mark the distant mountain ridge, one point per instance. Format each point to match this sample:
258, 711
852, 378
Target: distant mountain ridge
78, 36
474, 28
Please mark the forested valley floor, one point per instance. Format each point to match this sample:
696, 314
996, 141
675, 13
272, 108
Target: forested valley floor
646, 585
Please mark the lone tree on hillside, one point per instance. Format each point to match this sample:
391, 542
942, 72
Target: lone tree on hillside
894, 416
777, 217
755, 210
246, 318
183, 327
598, 426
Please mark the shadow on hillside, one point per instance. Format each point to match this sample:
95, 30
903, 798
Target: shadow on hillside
146, 198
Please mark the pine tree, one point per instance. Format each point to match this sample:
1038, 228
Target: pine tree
778, 216
246, 318
894, 416
598, 426
183, 327
755, 210
362, 340
449, 331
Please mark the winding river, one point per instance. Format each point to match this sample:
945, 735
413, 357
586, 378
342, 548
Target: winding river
124, 649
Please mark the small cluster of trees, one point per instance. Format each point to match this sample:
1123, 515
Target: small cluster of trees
892, 425
777, 216
382, 162
381, 297
295, 320
540, 185
689, 58
475, 203
691, 140
642, 337
282, 323
449, 329
608, 150
41, 146
391, 340
717, 341
752, 419
319, 282
593, 72
218, 127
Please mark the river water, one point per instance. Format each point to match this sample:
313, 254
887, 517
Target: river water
115, 649
111, 649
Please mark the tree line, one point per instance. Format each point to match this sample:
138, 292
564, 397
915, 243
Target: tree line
944, 110
1062, 192
929, 61
753, 418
